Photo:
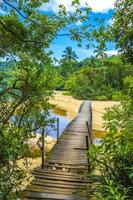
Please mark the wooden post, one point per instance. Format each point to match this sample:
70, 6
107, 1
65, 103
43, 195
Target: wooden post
91, 121
43, 147
89, 132
57, 128
87, 148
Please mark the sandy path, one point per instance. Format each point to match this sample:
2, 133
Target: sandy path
98, 112
72, 105
67, 103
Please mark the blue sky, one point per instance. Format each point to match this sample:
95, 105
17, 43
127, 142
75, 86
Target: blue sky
60, 43
100, 9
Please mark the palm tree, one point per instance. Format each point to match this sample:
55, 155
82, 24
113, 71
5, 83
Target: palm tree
69, 54
100, 53
68, 61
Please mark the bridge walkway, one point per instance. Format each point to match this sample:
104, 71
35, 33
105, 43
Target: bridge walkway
64, 174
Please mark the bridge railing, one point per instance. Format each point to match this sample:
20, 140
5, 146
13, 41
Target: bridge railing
89, 138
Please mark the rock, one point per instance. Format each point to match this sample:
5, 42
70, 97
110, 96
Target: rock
34, 148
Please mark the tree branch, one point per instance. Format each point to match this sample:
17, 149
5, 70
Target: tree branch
20, 12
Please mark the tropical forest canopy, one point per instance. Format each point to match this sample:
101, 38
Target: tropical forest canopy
29, 77
93, 78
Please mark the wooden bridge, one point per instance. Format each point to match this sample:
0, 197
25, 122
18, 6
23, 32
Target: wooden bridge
63, 177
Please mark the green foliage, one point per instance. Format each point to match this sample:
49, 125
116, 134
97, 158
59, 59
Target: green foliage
101, 98
113, 158
59, 81
99, 79
117, 96
28, 83
25, 90
69, 54
67, 93
129, 85
68, 63
122, 28
111, 191
100, 36
11, 149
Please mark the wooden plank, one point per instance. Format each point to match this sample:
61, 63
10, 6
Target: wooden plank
78, 163
57, 184
62, 173
67, 154
54, 196
55, 190
58, 172
67, 157
80, 130
60, 178
57, 176
66, 167
72, 147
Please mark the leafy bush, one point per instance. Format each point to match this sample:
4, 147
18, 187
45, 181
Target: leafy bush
113, 159
101, 98
117, 96
101, 80
24, 95
111, 191
67, 93
11, 149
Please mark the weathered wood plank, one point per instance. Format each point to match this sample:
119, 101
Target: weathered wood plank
58, 178
56, 190
54, 196
57, 172
59, 182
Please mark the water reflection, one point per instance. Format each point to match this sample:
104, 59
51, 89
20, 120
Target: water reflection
63, 121
98, 136
59, 112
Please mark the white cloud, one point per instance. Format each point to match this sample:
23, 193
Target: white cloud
96, 5
53, 5
90, 52
78, 23
101, 5
112, 52
84, 51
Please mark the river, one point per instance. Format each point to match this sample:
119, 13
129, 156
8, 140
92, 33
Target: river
64, 121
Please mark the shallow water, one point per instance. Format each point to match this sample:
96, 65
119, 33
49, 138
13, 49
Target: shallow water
64, 121
98, 136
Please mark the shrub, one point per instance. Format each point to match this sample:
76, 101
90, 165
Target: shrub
113, 159
117, 96
101, 98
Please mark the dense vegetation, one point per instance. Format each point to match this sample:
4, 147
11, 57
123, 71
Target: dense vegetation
27, 83
100, 77
94, 78
122, 29
113, 159
104, 78
28, 80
